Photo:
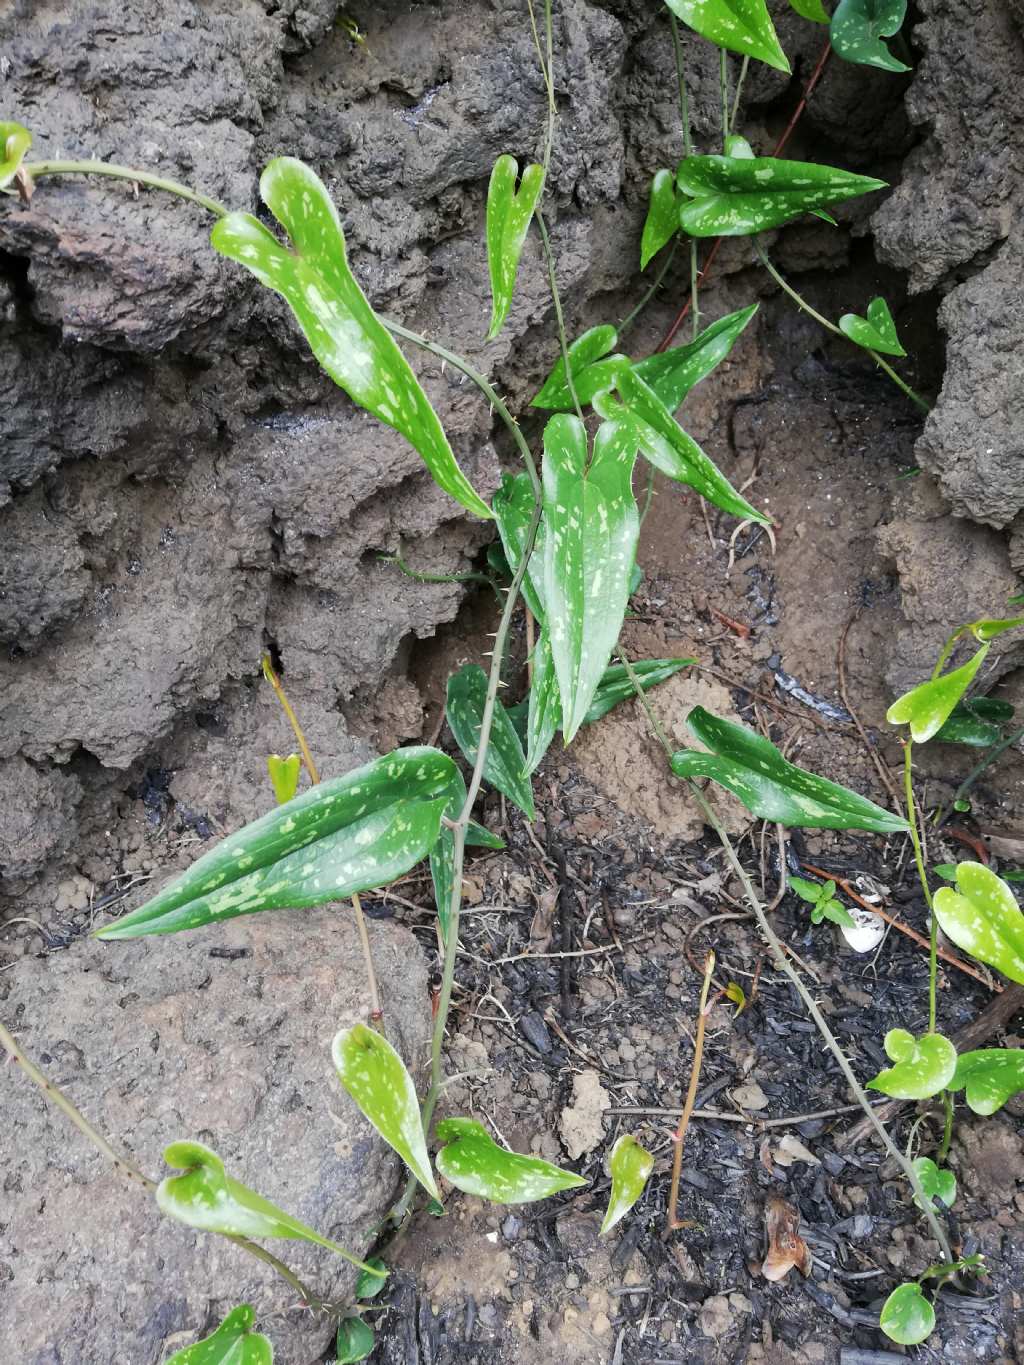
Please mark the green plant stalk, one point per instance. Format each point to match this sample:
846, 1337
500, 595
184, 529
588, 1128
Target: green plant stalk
933, 926
989, 758
946, 651
794, 977
723, 81
557, 301
418, 577
739, 90
37, 169
634, 313
805, 307
684, 117
127, 1168
947, 1127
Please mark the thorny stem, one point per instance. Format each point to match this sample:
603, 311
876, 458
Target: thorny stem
37, 169
915, 839
419, 577
789, 971
672, 1221
805, 307
127, 1168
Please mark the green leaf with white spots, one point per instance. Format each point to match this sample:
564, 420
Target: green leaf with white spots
233, 1343
907, 1316
354, 1341
977, 722
344, 333
473, 1162
15, 141
347, 835
544, 705
206, 1197
672, 374
753, 769
592, 530
513, 511
922, 1066
375, 1076
505, 764
664, 443
876, 332
858, 27
811, 9
927, 707
936, 1182
630, 1167
442, 855
662, 222
983, 918
741, 26
990, 1076
284, 776
730, 196
987, 629
591, 367
508, 221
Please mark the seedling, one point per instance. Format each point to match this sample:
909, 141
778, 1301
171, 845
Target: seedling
821, 897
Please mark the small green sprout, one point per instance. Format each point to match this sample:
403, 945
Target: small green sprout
821, 897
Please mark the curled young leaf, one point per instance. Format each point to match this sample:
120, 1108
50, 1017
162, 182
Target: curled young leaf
15, 141
592, 529
630, 1166
907, 1316
936, 1183
354, 1341
752, 768
662, 221
376, 1077
987, 629
284, 776
473, 1162
923, 1066
343, 331
983, 918
505, 764
741, 26
732, 196
233, 1343
990, 1076
672, 374
508, 221
876, 332
858, 27
588, 367
927, 707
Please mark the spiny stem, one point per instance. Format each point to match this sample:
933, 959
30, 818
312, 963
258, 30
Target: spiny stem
37, 169
915, 839
672, 1221
557, 301
419, 577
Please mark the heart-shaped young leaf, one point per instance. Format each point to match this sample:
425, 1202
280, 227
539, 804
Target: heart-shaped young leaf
752, 768
473, 1162
284, 776
977, 722
733, 196
15, 141
811, 9
664, 443
206, 1197
630, 1166
983, 918
991, 1076
927, 707
592, 529
375, 1076
907, 1316
233, 1343
662, 221
936, 1183
513, 511
442, 855
343, 836
354, 1341
741, 26
876, 332
344, 333
923, 1066
672, 374
987, 629
505, 764
858, 27
368, 1286
589, 369
508, 222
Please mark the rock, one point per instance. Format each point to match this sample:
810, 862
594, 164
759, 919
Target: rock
750, 1096
580, 1124
155, 1040
715, 1318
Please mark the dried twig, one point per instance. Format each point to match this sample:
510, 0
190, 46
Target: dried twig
672, 1221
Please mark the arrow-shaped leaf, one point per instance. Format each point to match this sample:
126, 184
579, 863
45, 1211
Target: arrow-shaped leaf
616, 684
354, 1341
508, 222
505, 764
741, 26
591, 367
592, 529
346, 835
858, 27
344, 333
922, 1066
375, 1076
233, 1343
936, 1182
907, 1316
927, 707
630, 1166
983, 918
752, 768
991, 1076
736, 196
662, 222
15, 141
876, 332
206, 1197
672, 374
284, 776
513, 511
473, 1162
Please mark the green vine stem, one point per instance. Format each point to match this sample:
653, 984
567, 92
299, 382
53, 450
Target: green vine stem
556, 299
37, 169
663, 270
723, 81
417, 577
739, 90
684, 118
915, 839
805, 307
976, 772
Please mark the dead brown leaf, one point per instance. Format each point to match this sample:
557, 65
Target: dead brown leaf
786, 1248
